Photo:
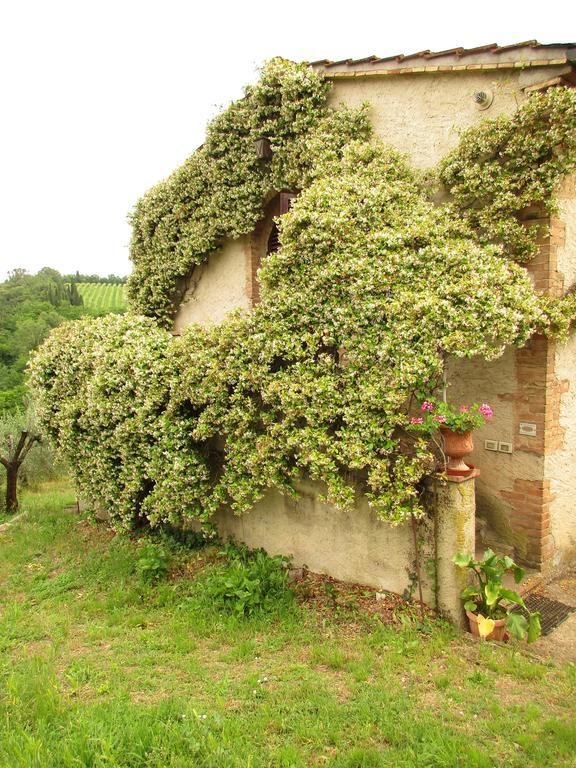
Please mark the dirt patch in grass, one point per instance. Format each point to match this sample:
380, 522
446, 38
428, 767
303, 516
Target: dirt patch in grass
40, 648
94, 533
191, 566
352, 604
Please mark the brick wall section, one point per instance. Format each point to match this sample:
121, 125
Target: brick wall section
530, 502
538, 397
538, 401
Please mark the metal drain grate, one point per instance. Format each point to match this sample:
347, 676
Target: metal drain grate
552, 613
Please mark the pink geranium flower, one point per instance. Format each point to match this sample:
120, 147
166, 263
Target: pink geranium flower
464, 408
440, 418
426, 406
416, 420
486, 411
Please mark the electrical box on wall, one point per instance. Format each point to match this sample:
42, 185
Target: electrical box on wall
505, 447
491, 445
528, 428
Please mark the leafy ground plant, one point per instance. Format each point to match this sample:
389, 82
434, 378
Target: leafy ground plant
491, 600
250, 582
153, 563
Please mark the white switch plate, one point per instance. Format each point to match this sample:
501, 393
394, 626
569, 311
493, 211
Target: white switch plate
491, 445
505, 447
528, 428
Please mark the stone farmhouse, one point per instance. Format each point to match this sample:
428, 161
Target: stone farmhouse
525, 498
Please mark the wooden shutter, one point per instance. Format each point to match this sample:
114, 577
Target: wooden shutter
286, 199
273, 240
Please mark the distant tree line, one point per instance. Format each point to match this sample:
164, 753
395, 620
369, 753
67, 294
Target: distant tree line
46, 285
78, 277
30, 306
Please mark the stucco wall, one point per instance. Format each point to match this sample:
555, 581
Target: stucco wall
566, 253
358, 547
422, 115
560, 466
419, 115
216, 287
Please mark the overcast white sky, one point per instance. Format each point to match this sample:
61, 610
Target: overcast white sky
102, 99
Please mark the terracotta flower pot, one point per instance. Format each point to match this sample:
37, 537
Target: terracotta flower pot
456, 446
498, 633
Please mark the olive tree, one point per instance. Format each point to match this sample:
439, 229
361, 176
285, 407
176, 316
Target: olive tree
18, 436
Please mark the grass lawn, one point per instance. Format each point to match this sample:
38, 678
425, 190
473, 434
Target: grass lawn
100, 669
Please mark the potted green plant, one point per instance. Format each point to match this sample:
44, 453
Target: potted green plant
456, 426
490, 605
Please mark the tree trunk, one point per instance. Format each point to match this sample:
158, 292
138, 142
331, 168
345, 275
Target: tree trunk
12, 462
12, 487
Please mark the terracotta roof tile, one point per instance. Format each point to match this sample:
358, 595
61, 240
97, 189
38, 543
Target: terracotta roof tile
491, 48
527, 52
525, 44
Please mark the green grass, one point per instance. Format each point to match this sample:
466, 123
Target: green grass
99, 669
103, 297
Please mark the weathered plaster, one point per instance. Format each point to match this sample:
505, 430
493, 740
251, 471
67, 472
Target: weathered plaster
566, 253
454, 532
560, 466
477, 381
216, 287
422, 115
358, 547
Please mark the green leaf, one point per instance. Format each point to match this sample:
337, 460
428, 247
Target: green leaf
513, 597
492, 592
518, 573
534, 628
462, 560
488, 557
471, 606
517, 625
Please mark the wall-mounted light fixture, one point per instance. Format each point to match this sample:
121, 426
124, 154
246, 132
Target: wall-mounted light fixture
263, 148
483, 99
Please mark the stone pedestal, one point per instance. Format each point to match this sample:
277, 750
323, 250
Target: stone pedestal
454, 531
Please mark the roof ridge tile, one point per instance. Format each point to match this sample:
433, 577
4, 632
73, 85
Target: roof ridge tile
492, 49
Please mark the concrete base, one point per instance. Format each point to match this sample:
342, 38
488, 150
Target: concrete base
358, 547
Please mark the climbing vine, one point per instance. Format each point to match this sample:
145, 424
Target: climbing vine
373, 286
220, 190
503, 166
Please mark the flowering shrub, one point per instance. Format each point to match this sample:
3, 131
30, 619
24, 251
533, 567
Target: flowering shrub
102, 388
220, 190
465, 418
510, 163
373, 286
